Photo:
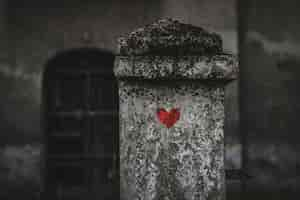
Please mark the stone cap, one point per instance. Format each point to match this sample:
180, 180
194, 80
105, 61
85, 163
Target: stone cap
217, 67
170, 37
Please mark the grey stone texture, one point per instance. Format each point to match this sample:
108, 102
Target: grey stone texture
184, 161
215, 67
168, 37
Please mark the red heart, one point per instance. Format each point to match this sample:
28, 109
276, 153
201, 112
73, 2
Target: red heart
168, 118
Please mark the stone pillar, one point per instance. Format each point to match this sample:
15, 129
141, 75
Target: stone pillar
171, 87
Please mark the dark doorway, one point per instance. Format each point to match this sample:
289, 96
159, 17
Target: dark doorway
80, 101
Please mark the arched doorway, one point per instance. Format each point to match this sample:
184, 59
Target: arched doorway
80, 102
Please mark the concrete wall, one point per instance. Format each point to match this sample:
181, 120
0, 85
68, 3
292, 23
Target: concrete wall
37, 30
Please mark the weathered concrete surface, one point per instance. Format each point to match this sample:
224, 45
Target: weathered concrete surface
161, 71
184, 162
223, 67
169, 37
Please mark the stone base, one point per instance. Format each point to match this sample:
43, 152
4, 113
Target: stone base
183, 162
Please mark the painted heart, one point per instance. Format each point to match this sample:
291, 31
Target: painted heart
168, 118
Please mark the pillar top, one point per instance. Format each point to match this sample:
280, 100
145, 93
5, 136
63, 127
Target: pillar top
169, 37
168, 49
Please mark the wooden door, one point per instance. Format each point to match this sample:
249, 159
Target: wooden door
81, 115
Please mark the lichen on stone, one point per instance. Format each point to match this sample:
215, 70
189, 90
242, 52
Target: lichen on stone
184, 161
217, 67
170, 37
179, 163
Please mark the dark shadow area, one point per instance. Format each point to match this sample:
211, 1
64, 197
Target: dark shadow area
269, 98
80, 105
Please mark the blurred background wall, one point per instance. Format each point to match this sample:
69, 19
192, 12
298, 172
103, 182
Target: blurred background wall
33, 31
270, 50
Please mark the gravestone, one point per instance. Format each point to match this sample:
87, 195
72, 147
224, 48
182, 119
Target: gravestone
171, 90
